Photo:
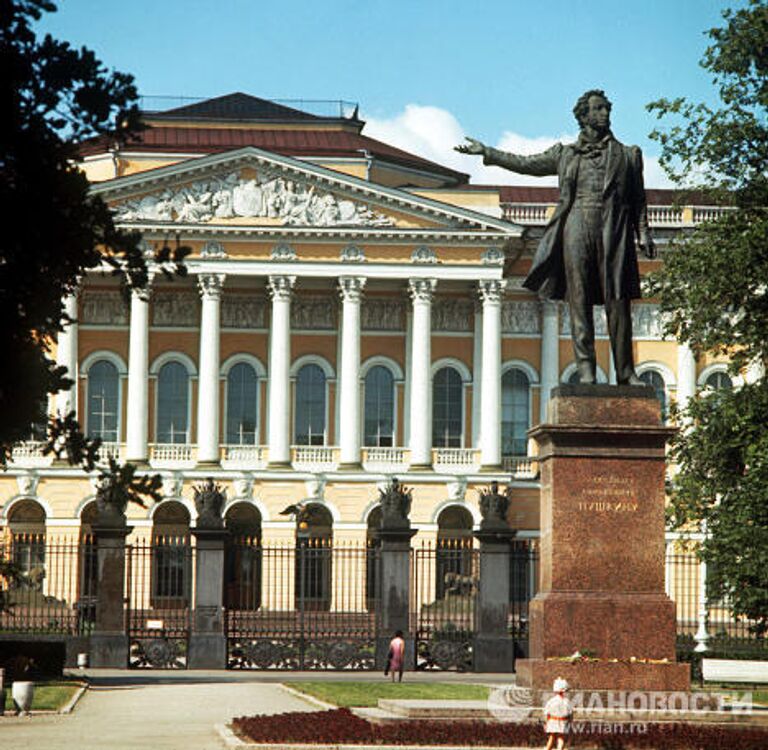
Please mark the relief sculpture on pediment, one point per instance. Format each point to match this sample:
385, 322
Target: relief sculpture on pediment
382, 315
103, 308
175, 309
242, 311
313, 313
268, 195
452, 315
520, 317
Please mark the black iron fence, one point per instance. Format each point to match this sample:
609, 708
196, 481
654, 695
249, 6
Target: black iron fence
308, 605
53, 587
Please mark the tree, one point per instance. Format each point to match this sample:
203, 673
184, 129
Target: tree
53, 98
713, 289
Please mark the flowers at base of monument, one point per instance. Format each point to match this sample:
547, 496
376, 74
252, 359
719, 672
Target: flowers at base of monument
579, 657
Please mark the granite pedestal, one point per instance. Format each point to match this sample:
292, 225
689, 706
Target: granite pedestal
602, 460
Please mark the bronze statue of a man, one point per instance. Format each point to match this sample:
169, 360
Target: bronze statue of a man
587, 253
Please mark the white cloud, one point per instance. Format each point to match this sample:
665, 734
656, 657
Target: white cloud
432, 133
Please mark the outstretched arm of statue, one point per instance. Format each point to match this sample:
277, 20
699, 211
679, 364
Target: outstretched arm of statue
545, 163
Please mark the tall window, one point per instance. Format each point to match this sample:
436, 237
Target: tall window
719, 380
171, 556
310, 406
172, 403
448, 408
243, 558
515, 413
103, 401
656, 381
314, 559
242, 397
379, 407
453, 561
27, 526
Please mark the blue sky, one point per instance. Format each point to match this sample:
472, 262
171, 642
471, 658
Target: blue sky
425, 73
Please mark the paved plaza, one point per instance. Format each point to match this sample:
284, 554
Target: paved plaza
172, 710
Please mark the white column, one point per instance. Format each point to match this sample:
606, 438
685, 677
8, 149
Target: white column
686, 375
477, 375
210, 286
421, 291
66, 356
550, 354
351, 289
491, 294
754, 372
278, 429
137, 449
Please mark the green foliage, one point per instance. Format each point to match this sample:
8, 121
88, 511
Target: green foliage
348, 694
713, 289
54, 97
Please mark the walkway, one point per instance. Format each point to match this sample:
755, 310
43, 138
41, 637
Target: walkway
172, 710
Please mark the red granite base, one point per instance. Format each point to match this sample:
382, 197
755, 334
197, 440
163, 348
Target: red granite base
607, 624
539, 674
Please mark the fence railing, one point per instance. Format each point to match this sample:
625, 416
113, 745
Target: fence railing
55, 586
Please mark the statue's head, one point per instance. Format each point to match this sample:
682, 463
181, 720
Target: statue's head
593, 108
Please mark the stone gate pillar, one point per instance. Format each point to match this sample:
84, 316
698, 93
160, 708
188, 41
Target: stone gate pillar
208, 639
109, 641
493, 647
394, 568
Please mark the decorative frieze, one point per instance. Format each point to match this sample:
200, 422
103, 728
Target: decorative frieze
213, 249
268, 195
353, 254
452, 315
313, 313
283, 252
382, 315
493, 256
103, 307
647, 322
175, 309
598, 311
242, 311
520, 317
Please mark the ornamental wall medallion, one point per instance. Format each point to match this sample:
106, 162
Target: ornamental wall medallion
382, 315
452, 315
268, 195
103, 307
175, 309
520, 317
313, 313
242, 311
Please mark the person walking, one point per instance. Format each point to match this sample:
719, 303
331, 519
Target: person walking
557, 714
396, 656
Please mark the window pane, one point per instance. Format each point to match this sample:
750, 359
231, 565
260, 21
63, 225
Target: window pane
172, 403
242, 397
656, 381
515, 411
447, 408
103, 391
310, 406
379, 407
718, 380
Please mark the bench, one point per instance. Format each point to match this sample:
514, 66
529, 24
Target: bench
734, 670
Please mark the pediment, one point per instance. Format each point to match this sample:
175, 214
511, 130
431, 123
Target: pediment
256, 188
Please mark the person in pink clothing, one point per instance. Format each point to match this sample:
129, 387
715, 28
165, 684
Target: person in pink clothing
396, 656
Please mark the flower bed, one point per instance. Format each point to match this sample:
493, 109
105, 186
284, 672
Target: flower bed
342, 727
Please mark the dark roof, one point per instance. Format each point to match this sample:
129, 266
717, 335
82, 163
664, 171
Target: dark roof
237, 106
303, 143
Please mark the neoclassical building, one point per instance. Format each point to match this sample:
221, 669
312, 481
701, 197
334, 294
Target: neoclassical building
351, 312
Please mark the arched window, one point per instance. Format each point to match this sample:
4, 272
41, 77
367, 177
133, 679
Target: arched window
314, 555
656, 381
719, 380
242, 399
103, 401
379, 407
173, 403
453, 563
26, 522
310, 406
515, 412
171, 559
242, 578
447, 408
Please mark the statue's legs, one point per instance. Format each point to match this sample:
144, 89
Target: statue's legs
619, 316
582, 251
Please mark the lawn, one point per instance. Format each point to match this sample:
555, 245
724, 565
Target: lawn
348, 694
49, 696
